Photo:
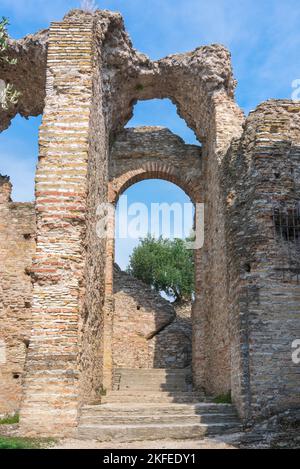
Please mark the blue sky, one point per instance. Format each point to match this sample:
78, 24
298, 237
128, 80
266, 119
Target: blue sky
150, 192
263, 37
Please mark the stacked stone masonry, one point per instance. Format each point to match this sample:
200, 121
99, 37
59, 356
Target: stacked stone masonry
86, 78
17, 247
260, 173
148, 331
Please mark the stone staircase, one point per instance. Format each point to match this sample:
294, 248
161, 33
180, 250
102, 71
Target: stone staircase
155, 404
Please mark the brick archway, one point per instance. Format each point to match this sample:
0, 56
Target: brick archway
154, 153
139, 154
94, 78
86, 76
153, 171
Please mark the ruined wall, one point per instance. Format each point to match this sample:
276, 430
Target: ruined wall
172, 347
28, 76
147, 332
211, 310
92, 65
261, 172
17, 247
246, 312
91, 323
61, 282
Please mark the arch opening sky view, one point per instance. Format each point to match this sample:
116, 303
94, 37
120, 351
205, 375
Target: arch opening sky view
154, 191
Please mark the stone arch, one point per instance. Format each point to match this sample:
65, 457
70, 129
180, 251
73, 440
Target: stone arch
136, 155
199, 83
88, 75
94, 78
117, 187
153, 171
154, 153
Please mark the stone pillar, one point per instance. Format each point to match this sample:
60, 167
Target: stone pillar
51, 391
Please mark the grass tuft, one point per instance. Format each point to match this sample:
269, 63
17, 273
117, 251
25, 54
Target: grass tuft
223, 398
25, 443
10, 420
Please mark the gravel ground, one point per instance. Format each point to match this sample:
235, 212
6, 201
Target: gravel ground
206, 443
224, 442
9, 430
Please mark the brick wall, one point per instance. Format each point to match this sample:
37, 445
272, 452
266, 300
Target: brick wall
261, 172
245, 315
52, 385
17, 247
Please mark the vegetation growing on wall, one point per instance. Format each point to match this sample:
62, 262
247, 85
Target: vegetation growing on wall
8, 94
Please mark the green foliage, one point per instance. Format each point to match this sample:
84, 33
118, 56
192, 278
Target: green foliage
139, 87
167, 265
10, 420
8, 94
4, 42
223, 398
102, 391
11, 96
25, 443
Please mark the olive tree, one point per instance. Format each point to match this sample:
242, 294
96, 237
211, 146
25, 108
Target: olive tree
167, 265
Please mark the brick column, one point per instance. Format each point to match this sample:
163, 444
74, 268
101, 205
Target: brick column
51, 399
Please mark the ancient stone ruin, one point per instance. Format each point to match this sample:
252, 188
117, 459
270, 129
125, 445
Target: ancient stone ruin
63, 339
148, 331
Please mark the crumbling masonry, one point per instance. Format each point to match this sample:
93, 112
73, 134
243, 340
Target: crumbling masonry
57, 312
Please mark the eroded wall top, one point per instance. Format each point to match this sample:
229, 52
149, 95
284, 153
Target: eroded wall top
191, 80
28, 76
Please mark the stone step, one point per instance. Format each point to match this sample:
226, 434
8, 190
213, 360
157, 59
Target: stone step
138, 432
150, 396
135, 384
140, 380
154, 379
152, 370
136, 419
151, 376
159, 408
155, 387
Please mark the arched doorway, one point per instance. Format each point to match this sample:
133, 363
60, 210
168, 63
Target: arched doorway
93, 98
152, 326
130, 163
